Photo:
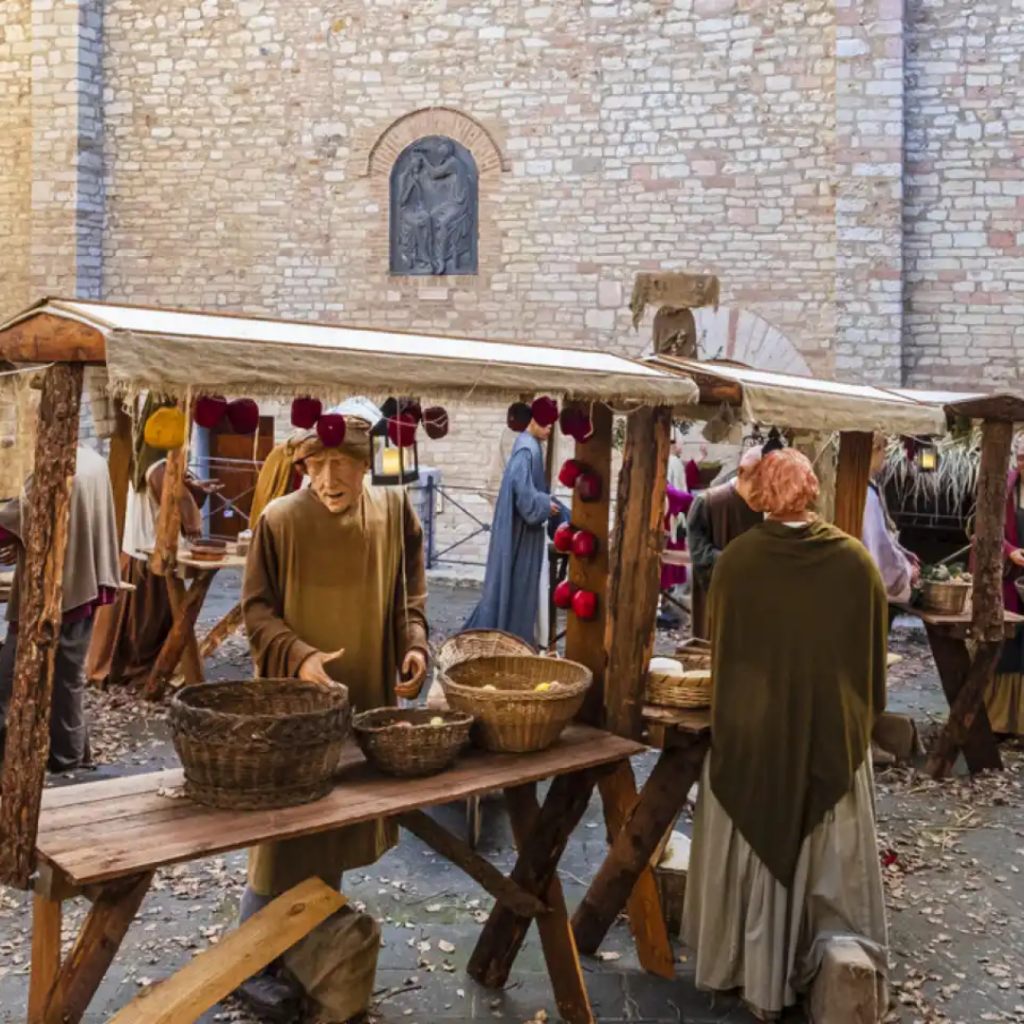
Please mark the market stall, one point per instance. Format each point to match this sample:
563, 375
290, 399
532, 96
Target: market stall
183, 356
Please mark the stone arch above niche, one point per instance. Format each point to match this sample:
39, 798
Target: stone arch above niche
433, 209
744, 337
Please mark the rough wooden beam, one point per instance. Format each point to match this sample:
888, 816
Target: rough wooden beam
459, 853
95, 948
216, 972
46, 338
231, 622
852, 477
119, 463
847, 989
584, 639
45, 541
1006, 407
177, 640
637, 543
168, 524
46, 932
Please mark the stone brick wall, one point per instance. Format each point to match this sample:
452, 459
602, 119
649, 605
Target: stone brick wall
964, 217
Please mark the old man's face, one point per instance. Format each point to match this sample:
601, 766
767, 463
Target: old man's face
337, 479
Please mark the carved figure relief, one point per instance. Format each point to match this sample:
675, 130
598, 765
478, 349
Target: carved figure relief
434, 197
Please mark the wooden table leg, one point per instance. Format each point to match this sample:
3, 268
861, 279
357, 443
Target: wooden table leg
95, 948
659, 804
46, 931
224, 629
191, 664
536, 871
183, 629
646, 918
953, 661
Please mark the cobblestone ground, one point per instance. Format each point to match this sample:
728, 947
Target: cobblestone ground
954, 890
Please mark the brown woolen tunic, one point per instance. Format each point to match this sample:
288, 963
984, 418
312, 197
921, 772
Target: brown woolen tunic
316, 581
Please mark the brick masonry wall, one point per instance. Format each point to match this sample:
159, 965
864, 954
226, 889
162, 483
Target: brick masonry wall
964, 216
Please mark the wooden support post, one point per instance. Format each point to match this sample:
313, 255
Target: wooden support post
637, 543
221, 632
646, 823
177, 640
584, 639
119, 463
168, 524
459, 853
45, 541
191, 663
987, 623
95, 948
46, 929
536, 866
852, 478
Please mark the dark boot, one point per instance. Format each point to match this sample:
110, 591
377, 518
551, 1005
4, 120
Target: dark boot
268, 994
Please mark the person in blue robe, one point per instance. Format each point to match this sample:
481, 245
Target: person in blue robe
519, 536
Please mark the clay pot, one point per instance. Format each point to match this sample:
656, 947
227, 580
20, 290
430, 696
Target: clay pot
570, 473
209, 410
563, 596
563, 538
584, 604
305, 412
545, 411
435, 423
244, 416
588, 487
584, 544
331, 430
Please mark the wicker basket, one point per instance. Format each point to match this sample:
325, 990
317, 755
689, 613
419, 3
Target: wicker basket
945, 598
261, 744
514, 717
479, 643
423, 750
691, 690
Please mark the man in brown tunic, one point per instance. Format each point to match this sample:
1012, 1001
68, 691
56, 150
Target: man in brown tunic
717, 517
334, 589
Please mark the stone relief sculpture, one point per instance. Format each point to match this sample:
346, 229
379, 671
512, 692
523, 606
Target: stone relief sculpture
434, 197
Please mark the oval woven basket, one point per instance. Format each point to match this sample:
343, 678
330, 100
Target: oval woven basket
691, 690
514, 717
479, 643
945, 598
423, 750
260, 744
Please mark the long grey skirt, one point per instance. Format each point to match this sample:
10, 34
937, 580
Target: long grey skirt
754, 936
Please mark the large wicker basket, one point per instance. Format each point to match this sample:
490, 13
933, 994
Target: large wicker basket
261, 744
423, 750
479, 643
514, 717
949, 598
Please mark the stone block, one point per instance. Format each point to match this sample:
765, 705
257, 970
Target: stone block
848, 989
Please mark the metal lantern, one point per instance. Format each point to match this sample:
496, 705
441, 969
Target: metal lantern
393, 463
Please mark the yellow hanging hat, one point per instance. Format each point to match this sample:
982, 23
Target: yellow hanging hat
165, 429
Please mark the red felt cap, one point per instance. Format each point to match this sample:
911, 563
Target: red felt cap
331, 430
209, 410
545, 411
435, 422
244, 416
402, 430
305, 412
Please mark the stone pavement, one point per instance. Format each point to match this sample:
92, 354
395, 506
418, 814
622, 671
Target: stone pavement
954, 891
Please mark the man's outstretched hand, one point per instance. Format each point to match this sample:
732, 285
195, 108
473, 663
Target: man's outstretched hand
414, 672
312, 669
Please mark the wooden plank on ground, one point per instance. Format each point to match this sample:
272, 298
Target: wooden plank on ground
177, 830
45, 540
95, 948
462, 856
218, 971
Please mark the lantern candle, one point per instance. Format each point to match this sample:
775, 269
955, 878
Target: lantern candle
391, 461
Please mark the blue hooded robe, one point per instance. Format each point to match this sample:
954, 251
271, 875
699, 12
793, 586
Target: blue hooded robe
518, 545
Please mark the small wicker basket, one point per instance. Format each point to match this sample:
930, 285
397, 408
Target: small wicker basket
415, 752
260, 744
690, 690
514, 717
947, 598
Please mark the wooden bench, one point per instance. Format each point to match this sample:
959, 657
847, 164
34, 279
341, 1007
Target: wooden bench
105, 840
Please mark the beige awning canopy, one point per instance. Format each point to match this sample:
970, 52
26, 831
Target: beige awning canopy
173, 352
807, 403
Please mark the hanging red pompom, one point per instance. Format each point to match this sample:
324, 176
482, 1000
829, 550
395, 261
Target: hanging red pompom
331, 430
402, 430
692, 475
305, 412
569, 420
244, 416
435, 423
545, 411
209, 410
584, 604
563, 594
570, 473
563, 538
518, 417
584, 544
585, 428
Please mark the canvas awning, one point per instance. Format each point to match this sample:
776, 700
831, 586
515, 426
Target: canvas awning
172, 352
806, 403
